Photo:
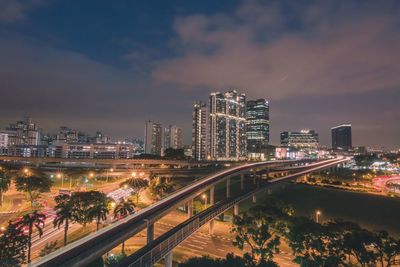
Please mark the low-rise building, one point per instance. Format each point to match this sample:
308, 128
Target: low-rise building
302, 139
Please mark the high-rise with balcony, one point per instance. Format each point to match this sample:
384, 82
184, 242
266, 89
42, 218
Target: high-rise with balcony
153, 138
227, 126
200, 131
257, 115
173, 137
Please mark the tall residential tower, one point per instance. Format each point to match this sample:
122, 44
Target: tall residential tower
227, 126
153, 138
200, 131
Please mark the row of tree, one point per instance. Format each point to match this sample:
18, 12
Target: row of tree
80, 207
335, 243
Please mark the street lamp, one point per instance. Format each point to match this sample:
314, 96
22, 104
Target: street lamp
204, 196
26, 171
59, 175
317, 214
91, 174
133, 174
111, 170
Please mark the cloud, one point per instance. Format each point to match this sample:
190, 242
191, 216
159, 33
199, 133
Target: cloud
16, 10
60, 87
319, 49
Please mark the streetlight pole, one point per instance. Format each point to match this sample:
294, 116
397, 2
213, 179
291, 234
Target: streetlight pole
204, 196
317, 214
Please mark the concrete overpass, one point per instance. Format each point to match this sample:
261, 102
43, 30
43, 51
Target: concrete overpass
87, 249
162, 247
135, 163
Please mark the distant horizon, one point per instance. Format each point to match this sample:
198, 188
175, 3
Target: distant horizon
122, 138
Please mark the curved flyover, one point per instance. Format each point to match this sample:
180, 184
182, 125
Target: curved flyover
88, 249
163, 245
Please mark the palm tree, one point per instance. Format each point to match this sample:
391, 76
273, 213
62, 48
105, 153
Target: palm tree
163, 187
30, 220
123, 209
99, 209
5, 183
65, 213
138, 185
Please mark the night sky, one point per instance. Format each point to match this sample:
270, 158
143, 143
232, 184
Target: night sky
111, 65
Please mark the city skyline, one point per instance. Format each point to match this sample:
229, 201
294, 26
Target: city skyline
96, 78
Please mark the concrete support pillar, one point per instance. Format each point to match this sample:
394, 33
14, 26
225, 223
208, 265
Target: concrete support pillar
254, 199
190, 208
236, 209
211, 227
168, 259
212, 201
150, 233
228, 187
212, 193
242, 181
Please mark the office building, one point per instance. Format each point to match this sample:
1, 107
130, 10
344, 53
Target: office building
4, 142
153, 138
200, 131
24, 132
96, 151
227, 126
257, 129
68, 135
302, 139
341, 137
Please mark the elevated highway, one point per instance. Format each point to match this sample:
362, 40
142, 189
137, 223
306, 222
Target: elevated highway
162, 246
76, 162
87, 249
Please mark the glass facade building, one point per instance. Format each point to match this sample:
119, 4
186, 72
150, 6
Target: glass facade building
341, 137
257, 114
227, 126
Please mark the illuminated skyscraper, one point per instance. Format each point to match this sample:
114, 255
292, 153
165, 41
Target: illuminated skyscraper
257, 114
200, 131
227, 126
153, 138
341, 137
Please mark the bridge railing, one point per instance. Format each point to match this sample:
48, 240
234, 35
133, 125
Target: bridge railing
164, 247
161, 250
